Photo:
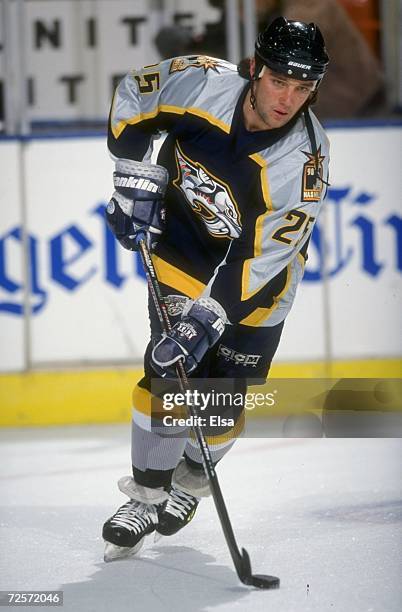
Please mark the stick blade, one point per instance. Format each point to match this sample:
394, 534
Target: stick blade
259, 581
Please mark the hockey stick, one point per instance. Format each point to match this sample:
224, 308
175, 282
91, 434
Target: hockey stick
241, 559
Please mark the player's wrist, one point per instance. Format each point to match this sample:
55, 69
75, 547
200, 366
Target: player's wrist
140, 180
210, 315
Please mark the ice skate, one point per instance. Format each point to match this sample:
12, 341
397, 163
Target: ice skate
124, 532
188, 486
176, 512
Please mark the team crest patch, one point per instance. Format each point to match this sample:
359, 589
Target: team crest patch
312, 184
209, 198
194, 61
175, 304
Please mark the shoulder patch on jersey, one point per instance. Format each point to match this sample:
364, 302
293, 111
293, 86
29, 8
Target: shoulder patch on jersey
194, 61
209, 197
312, 184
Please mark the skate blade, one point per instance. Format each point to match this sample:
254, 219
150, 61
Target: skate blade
114, 552
158, 537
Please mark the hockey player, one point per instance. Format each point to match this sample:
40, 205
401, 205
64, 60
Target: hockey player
225, 168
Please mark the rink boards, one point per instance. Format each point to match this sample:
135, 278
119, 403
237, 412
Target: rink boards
87, 297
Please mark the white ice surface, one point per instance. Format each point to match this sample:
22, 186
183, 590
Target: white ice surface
320, 512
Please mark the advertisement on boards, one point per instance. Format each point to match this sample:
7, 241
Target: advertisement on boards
88, 297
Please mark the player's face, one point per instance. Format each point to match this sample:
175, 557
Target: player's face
278, 99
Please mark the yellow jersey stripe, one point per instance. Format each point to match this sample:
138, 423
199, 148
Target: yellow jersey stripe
177, 279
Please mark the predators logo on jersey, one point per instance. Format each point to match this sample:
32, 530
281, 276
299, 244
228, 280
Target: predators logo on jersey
208, 197
312, 177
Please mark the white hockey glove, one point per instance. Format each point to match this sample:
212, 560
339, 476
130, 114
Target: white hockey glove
200, 327
136, 207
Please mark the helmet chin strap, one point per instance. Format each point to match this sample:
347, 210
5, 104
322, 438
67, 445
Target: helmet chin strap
252, 96
253, 80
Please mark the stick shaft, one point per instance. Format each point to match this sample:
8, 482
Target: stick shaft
162, 312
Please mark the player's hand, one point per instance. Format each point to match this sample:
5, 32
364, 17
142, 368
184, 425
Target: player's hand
188, 341
136, 207
129, 220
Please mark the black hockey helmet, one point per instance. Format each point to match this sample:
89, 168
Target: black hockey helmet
294, 48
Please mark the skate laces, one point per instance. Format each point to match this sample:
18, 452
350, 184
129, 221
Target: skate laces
135, 516
180, 503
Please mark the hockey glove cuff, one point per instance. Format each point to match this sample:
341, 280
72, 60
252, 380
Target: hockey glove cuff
136, 207
197, 331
